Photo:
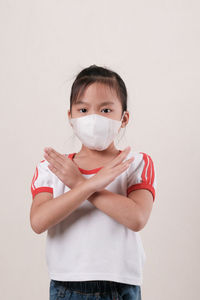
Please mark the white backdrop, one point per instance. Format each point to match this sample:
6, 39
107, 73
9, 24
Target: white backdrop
154, 46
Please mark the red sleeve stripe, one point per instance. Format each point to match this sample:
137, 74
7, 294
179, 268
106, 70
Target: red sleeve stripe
142, 186
42, 189
152, 171
143, 177
148, 170
35, 176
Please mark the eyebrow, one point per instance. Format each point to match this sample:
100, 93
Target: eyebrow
102, 104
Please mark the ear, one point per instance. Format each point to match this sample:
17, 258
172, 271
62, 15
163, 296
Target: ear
69, 116
125, 119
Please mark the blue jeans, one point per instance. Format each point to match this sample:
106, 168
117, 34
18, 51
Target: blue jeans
93, 290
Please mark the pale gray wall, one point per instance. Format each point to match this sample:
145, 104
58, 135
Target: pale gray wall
154, 45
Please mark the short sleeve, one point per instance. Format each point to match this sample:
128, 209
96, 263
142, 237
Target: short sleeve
142, 174
42, 180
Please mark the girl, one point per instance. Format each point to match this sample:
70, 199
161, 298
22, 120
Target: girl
93, 203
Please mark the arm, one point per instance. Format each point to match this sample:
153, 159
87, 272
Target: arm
49, 213
62, 168
133, 211
123, 209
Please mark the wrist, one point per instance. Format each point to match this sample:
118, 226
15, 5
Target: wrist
87, 186
80, 181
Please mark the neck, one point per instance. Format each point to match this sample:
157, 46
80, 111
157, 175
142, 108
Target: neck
95, 154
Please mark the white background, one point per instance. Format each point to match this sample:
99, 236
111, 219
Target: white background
154, 46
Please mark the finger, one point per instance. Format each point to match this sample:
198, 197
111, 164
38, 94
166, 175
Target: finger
131, 159
52, 158
120, 157
123, 166
55, 171
55, 155
128, 161
60, 157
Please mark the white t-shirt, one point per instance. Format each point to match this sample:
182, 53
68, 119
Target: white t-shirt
89, 244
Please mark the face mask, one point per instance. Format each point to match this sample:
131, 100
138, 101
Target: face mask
96, 131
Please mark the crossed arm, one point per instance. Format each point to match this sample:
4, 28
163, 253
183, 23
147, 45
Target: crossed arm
133, 211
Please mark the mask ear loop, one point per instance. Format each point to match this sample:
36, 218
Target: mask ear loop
120, 129
122, 115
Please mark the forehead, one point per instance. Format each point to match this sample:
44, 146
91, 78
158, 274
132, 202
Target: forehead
98, 93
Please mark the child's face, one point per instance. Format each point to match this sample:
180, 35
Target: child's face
93, 102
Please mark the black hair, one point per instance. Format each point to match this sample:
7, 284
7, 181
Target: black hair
102, 75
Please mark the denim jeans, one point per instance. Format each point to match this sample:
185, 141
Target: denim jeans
93, 290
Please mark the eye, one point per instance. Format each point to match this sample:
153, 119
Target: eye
81, 109
106, 109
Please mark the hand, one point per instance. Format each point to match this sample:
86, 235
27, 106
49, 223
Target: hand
113, 169
63, 167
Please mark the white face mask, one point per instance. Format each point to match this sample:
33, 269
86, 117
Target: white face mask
96, 131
